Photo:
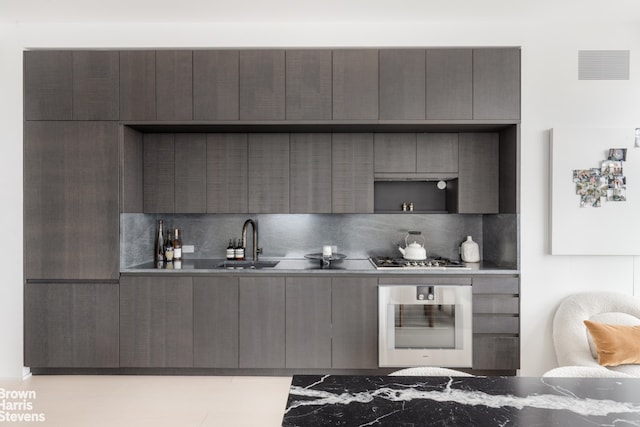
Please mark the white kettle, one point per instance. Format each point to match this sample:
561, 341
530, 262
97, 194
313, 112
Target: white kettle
414, 251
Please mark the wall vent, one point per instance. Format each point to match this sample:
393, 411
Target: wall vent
603, 65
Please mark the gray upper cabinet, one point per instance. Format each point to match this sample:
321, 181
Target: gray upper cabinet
71, 200
156, 322
352, 173
449, 84
174, 85
268, 173
402, 84
96, 85
159, 173
310, 183
216, 84
262, 85
355, 84
437, 153
262, 322
496, 83
48, 85
227, 174
71, 325
478, 173
395, 152
308, 85
190, 173
137, 85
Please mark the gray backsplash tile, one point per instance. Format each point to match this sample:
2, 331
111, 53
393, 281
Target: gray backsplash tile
294, 235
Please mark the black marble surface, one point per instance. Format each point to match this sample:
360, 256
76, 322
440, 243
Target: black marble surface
461, 401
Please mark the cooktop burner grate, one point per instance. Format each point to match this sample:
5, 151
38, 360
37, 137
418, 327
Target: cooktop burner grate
381, 262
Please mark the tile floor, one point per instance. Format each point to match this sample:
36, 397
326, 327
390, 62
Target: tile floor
141, 401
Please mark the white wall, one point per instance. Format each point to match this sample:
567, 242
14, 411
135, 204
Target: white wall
551, 96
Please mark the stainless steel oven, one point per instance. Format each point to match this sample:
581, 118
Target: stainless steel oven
425, 325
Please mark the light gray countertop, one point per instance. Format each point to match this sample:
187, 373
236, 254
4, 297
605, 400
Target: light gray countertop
305, 266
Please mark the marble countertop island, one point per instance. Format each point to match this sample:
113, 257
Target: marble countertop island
461, 401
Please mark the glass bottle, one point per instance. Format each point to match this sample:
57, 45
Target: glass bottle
159, 252
231, 251
177, 245
168, 248
239, 251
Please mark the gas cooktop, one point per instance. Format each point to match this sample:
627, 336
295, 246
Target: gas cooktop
432, 263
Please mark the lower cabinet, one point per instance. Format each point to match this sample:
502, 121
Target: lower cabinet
71, 325
354, 312
496, 323
156, 322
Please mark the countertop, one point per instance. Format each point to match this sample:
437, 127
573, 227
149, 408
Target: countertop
461, 401
305, 266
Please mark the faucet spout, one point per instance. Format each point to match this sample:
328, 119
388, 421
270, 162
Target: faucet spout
256, 250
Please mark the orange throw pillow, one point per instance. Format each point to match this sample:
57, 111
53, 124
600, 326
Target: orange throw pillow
616, 344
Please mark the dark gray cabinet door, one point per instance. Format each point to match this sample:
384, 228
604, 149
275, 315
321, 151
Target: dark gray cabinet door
137, 85
156, 322
268, 172
310, 184
215, 322
478, 173
308, 322
262, 322
216, 85
71, 325
449, 84
48, 85
262, 85
190, 173
174, 85
354, 313
227, 174
159, 173
352, 173
355, 84
308, 85
496, 323
96, 85
496, 83
402, 84
71, 200
437, 152
395, 152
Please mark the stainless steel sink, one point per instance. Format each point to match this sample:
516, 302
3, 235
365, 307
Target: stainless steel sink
247, 264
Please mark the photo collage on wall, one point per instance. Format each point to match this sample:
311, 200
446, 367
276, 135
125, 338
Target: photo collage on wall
604, 183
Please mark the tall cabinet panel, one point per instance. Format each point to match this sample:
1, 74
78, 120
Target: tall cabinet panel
227, 175
262, 85
159, 173
190, 173
95, 85
352, 173
355, 84
71, 200
216, 85
156, 322
478, 173
137, 85
71, 325
308, 85
269, 173
402, 84
174, 85
310, 173
48, 85
496, 83
449, 84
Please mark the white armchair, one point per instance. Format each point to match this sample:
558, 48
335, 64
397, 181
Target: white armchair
571, 338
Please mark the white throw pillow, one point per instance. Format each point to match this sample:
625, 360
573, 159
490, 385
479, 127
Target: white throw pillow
610, 318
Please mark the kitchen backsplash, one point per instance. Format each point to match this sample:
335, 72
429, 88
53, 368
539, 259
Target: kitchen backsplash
294, 235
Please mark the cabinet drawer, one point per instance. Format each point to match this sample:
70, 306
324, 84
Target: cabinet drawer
496, 304
496, 285
488, 324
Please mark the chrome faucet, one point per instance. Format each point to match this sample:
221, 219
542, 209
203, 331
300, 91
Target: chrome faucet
256, 250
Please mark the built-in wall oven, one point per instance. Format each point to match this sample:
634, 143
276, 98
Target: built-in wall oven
425, 324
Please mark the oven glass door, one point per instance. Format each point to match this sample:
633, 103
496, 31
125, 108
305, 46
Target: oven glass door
424, 325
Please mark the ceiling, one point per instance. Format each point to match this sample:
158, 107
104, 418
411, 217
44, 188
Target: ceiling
307, 11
